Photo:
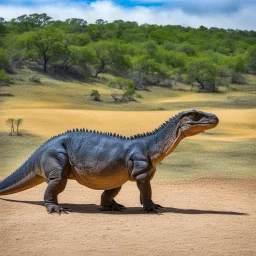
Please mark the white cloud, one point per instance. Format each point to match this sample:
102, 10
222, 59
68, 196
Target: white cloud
244, 18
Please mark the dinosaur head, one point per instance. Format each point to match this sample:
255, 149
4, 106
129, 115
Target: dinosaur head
193, 122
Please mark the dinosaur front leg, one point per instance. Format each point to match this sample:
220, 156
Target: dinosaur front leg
146, 197
107, 200
143, 172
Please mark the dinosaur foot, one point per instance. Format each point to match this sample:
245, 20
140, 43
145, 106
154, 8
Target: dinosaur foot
119, 205
56, 208
114, 206
152, 208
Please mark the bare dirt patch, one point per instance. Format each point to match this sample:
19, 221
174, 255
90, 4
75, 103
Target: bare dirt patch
203, 217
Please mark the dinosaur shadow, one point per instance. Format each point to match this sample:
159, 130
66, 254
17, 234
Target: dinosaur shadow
93, 208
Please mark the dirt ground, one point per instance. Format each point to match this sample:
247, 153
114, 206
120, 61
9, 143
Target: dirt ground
201, 217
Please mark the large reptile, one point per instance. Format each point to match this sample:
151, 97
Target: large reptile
104, 161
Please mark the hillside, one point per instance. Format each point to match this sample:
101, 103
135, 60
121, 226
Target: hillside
54, 106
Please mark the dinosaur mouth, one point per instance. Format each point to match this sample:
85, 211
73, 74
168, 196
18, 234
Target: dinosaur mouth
215, 122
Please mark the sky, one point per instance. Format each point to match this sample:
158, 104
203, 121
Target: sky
234, 14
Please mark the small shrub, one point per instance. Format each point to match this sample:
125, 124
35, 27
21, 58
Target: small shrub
35, 79
129, 94
120, 83
4, 61
4, 78
238, 78
95, 95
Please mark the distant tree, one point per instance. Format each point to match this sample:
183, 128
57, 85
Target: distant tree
25, 23
45, 44
4, 78
18, 123
204, 73
4, 60
3, 29
95, 95
78, 39
251, 60
224, 76
101, 22
10, 123
81, 56
39, 20
110, 55
240, 64
76, 25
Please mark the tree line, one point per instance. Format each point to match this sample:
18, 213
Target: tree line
148, 54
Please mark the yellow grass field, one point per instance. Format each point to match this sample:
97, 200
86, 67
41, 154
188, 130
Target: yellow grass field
208, 184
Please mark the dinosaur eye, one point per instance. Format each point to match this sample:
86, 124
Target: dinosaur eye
195, 116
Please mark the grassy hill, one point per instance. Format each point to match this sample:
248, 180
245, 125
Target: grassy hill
56, 105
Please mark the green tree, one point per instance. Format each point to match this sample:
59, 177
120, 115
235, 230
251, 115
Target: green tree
45, 44
204, 73
240, 64
4, 60
110, 55
76, 25
81, 56
3, 29
4, 78
25, 23
251, 60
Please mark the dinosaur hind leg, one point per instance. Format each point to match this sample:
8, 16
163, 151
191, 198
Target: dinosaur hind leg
55, 167
107, 200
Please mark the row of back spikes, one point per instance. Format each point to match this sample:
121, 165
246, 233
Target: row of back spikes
112, 134
140, 135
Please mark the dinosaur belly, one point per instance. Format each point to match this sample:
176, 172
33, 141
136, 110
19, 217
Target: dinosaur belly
102, 180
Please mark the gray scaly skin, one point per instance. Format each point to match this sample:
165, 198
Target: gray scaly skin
105, 161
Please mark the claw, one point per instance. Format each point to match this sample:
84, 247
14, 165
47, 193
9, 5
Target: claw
113, 207
152, 208
55, 208
67, 210
119, 205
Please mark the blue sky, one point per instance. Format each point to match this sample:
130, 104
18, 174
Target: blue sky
236, 14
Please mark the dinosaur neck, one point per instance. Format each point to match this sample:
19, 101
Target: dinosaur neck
165, 140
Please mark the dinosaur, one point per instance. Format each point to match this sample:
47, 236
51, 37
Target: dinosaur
104, 161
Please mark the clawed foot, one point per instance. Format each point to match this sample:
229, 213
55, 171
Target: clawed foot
113, 207
56, 208
152, 208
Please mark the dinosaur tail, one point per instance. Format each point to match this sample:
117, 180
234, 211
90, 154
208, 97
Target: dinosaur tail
23, 178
